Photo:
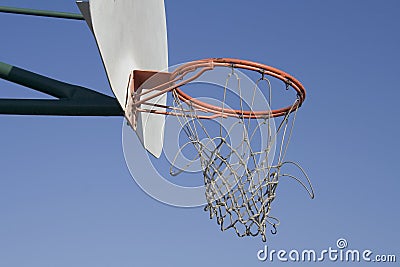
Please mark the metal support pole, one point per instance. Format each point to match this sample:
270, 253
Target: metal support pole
41, 13
73, 100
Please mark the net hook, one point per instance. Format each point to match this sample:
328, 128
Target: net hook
262, 74
288, 83
274, 231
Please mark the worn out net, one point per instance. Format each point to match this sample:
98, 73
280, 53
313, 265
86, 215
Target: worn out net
242, 158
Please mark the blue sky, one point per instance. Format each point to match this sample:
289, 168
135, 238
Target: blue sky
67, 197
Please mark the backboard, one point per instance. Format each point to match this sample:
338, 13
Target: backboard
131, 35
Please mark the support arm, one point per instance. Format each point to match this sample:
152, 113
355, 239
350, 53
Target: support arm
72, 100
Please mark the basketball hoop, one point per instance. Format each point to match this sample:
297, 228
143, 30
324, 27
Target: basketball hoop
241, 176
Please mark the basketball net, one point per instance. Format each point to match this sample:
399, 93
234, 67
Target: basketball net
241, 178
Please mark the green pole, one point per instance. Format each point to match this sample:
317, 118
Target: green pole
41, 13
35, 81
73, 100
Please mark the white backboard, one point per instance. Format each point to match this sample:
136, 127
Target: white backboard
132, 35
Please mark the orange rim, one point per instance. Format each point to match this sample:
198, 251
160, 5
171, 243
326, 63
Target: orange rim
240, 64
